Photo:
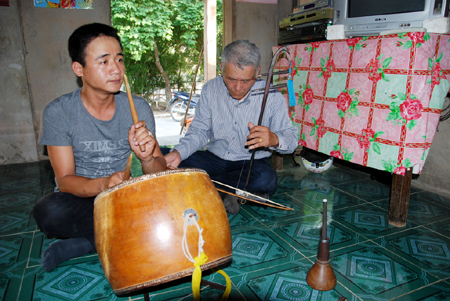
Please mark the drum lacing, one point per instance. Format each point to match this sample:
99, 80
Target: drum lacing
190, 218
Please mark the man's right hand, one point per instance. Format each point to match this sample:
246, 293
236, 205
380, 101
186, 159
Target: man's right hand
115, 179
173, 159
63, 164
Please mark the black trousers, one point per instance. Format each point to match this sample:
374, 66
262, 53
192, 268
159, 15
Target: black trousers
263, 177
64, 215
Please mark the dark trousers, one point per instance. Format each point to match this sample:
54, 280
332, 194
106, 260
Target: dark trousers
64, 215
263, 178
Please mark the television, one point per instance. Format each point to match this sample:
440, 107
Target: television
370, 17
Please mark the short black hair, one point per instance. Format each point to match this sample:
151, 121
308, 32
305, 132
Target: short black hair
83, 35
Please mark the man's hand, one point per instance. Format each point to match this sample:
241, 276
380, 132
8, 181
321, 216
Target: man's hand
173, 159
261, 136
114, 179
140, 135
63, 163
151, 159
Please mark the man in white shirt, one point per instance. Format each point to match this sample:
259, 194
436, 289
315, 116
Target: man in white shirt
225, 124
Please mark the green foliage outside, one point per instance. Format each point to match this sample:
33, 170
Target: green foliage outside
175, 26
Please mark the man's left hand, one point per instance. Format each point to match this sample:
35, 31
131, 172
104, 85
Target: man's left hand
261, 136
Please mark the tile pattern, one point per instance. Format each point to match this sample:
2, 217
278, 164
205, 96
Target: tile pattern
273, 249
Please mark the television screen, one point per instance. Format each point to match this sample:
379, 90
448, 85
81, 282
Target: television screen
359, 8
371, 17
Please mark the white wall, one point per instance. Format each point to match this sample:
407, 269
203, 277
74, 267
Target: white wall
18, 143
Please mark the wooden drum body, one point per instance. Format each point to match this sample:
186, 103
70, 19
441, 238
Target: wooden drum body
139, 228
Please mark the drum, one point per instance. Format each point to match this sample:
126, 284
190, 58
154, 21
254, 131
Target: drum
140, 225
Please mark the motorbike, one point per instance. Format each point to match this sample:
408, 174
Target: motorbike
179, 102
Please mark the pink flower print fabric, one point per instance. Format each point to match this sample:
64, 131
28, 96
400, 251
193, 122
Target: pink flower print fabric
373, 101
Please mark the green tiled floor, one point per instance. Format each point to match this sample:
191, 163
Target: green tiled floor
273, 249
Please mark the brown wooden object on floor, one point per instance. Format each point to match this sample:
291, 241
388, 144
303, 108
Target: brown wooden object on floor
321, 276
399, 202
139, 228
277, 161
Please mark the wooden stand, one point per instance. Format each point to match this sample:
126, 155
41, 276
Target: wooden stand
399, 203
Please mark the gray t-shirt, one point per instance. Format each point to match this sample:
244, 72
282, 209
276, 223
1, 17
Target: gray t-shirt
100, 147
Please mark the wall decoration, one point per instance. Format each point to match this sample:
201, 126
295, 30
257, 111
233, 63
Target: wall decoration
4, 2
66, 4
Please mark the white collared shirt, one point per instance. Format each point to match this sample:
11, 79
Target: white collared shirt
221, 122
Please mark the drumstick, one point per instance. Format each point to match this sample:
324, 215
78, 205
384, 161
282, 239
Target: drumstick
127, 172
132, 108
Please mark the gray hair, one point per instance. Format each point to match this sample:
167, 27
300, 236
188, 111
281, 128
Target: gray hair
241, 53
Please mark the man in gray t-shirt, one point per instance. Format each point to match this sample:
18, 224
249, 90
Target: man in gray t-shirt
100, 147
89, 135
